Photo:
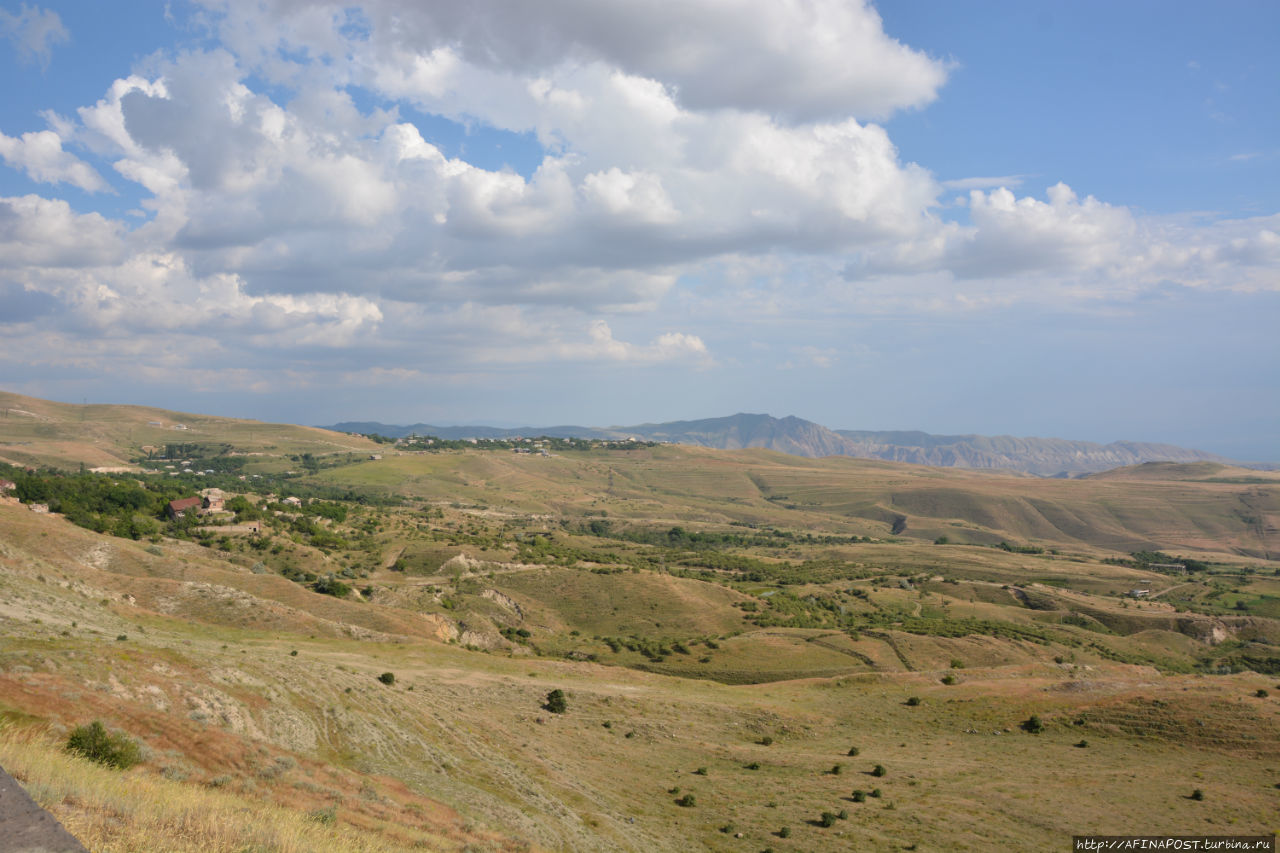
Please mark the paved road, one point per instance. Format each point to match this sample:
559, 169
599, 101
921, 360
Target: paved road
27, 828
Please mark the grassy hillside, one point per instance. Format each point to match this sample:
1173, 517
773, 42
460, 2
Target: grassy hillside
753, 631
41, 432
1210, 515
458, 751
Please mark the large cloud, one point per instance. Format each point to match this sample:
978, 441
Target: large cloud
708, 153
801, 59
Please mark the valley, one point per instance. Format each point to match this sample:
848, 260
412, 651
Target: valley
745, 641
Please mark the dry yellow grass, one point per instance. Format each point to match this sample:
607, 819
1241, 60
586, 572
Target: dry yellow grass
135, 812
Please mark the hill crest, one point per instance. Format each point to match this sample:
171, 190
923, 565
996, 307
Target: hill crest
800, 437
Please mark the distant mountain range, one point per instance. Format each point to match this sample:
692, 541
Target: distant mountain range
1048, 457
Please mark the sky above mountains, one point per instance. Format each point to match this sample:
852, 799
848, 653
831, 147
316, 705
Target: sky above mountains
989, 217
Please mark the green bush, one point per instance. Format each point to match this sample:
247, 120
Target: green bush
687, 801
556, 702
387, 678
96, 744
859, 796
878, 770
913, 701
828, 819
1033, 725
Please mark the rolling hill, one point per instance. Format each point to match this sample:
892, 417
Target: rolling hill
1040, 456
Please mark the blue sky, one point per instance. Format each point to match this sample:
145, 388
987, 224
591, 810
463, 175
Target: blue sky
993, 217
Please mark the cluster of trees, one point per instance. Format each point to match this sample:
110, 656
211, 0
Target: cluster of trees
99, 502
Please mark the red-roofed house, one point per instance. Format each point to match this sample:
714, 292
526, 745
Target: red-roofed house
180, 507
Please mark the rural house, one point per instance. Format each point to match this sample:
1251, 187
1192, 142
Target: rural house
179, 508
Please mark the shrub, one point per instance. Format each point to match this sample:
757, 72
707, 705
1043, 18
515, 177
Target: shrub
878, 770
859, 796
701, 771
785, 832
96, 744
913, 701
836, 769
844, 814
326, 817
331, 586
1083, 744
853, 750
755, 765
688, 801
387, 678
1261, 694
1197, 794
877, 793
1033, 725
948, 679
827, 819
766, 741
556, 702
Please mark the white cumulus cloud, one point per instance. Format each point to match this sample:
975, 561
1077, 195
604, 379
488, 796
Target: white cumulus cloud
41, 156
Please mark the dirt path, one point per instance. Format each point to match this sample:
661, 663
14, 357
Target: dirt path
1170, 589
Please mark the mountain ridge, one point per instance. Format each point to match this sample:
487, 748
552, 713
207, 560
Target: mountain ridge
800, 437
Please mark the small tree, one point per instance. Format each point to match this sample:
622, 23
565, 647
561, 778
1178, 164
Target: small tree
96, 744
387, 678
828, 819
913, 701
688, 801
878, 770
1197, 794
556, 702
1033, 725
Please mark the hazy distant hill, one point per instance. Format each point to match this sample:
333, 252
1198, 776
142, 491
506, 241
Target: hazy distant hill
461, 432
1042, 456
